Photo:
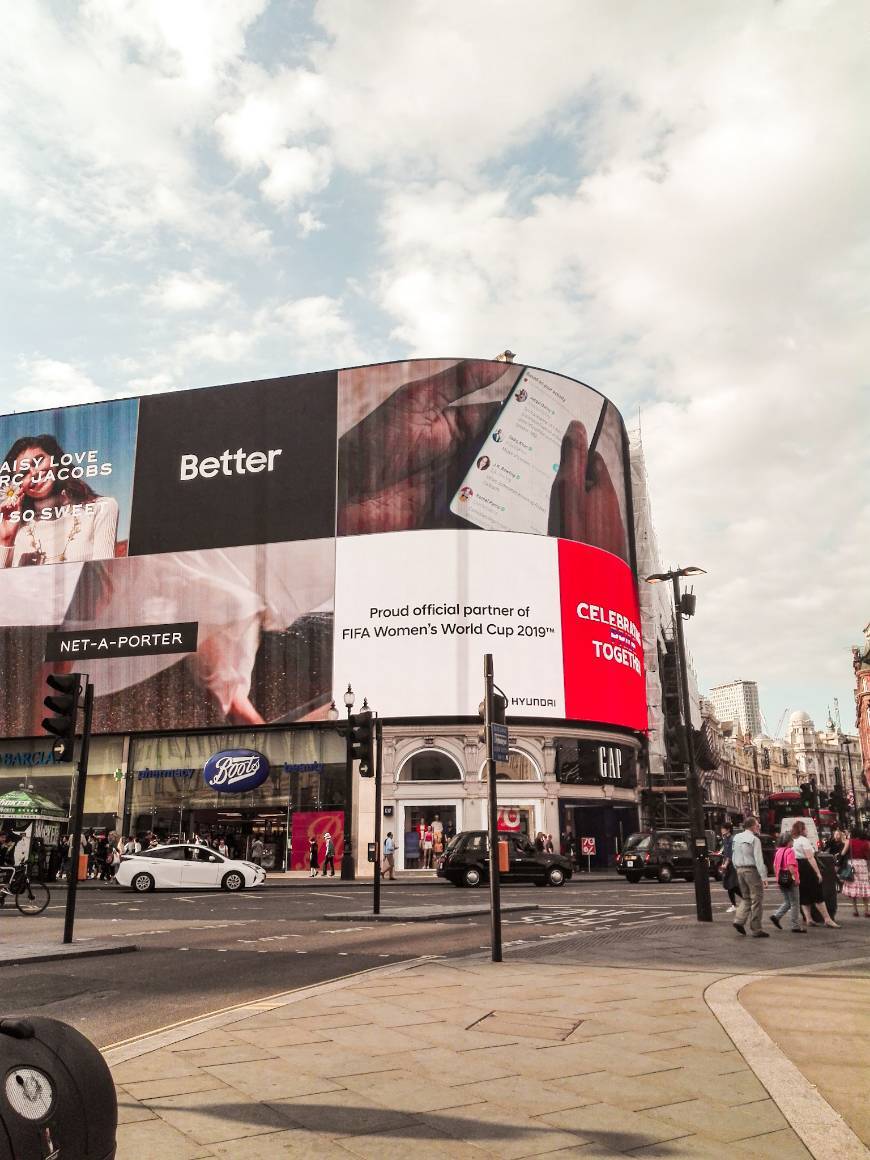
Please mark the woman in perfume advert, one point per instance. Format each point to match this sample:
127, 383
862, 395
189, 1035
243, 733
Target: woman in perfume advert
49, 513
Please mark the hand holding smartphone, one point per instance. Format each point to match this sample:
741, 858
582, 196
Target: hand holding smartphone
510, 485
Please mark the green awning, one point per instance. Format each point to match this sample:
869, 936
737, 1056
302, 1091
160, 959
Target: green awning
22, 803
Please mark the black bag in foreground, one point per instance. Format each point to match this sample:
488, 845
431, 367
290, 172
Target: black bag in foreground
57, 1097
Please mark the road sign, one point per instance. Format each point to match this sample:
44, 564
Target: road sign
587, 846
500, 742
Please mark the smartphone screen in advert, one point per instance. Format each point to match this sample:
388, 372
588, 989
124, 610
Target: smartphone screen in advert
508, 486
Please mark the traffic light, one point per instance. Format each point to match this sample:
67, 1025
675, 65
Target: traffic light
807, 795
362, 742
499, 709
823, 800
64, 705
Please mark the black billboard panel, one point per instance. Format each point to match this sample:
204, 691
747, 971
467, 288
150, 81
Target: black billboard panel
252, 463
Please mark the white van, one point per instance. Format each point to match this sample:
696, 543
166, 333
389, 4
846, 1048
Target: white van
812, 833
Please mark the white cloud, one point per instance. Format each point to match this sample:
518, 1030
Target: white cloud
295, 173
309, 223
186, 292
48, 382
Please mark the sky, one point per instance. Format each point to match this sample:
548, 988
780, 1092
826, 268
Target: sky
668, 201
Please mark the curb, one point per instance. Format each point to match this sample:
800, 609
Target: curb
22, 957
821, 1129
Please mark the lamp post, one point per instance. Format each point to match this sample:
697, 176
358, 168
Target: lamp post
847, 741
684, 605
348, 870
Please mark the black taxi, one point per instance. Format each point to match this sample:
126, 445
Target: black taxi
663, 855
465, 862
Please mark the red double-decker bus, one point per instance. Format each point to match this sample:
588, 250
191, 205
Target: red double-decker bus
788, 803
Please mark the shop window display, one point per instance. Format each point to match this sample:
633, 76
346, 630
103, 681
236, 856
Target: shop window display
428, 829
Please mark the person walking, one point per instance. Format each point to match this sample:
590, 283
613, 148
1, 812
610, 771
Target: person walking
328, 856
810, 884
751, 875
729, 874
390, 857
787, 874
856, 853
312, 858
257, 851
222, 848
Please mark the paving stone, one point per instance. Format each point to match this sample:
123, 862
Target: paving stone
407, 1093
542, 1063
333, 1060
155, 1140
130, 1111
464, 1067
341, 1113
530, 1096
376, 1040
154, 1065
296, 1143
502, 1131
150, 1089
271, 1079
635, 1093
279, 1035
446, 1035
237, 1053
213, 1116
702, 1062
720, 1122
616, 1127
396, 1145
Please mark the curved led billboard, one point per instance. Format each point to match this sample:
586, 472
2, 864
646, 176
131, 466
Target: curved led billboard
269, 542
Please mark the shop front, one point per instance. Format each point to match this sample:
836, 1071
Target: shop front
193, 786
597, 796
29, 764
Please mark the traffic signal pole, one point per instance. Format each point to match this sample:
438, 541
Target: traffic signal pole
78, 811
379, 763
494, 881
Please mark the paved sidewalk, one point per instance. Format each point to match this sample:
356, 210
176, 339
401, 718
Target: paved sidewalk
460, 1058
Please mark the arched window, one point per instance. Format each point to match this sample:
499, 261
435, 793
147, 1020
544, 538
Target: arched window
518, 767
430, 765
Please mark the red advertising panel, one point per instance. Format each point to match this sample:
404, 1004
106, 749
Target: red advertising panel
601, 638
316, 824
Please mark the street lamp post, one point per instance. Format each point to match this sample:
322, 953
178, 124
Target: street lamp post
848, 744
684, 605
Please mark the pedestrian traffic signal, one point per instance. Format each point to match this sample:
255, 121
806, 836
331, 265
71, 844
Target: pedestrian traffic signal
807, 795
362, 742
64, 704
823, 800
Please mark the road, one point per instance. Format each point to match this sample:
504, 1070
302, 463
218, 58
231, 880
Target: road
201, 951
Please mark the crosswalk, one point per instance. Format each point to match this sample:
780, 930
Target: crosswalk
579, 919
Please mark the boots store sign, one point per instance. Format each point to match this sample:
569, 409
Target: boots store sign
236, 770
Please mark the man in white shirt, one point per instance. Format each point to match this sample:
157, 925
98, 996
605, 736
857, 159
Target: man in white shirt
748, 861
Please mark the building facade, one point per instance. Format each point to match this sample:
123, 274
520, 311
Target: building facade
241, 553
738, 701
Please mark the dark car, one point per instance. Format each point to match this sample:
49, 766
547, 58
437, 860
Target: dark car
465, 862
661, 854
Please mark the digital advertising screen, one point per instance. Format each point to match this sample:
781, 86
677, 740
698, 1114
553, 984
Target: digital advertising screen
238, 554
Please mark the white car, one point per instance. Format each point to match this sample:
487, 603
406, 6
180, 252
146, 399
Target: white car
186, 867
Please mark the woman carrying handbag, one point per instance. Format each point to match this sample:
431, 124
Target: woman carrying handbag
785, 868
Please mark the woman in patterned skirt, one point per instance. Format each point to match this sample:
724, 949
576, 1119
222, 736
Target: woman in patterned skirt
857, 851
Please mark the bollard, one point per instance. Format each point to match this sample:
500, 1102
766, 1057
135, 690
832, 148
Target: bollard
57, 1097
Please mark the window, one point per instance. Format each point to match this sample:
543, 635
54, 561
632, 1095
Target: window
476, 842
518, 767
168, 854
430, 765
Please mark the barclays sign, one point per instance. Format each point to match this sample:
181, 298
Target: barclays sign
235, 770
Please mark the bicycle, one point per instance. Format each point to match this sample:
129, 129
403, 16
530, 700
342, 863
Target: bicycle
31, 897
